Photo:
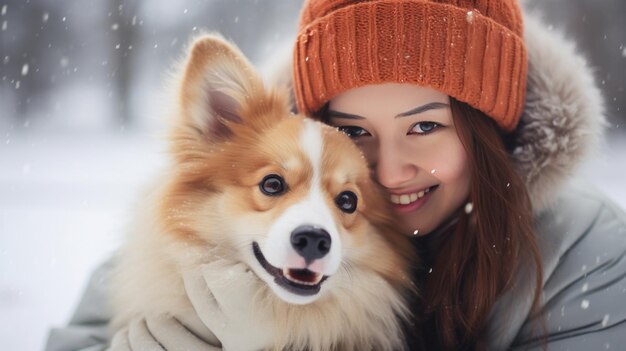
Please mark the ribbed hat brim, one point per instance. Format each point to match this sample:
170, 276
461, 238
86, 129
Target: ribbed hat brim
463, 54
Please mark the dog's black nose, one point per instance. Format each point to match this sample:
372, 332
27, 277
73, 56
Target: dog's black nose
310, 242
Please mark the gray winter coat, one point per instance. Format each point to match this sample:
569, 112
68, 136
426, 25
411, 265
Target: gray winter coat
582, 235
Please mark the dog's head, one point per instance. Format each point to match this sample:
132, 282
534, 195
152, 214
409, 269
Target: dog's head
289, 196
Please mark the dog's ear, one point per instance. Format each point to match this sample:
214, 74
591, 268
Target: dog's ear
217, 83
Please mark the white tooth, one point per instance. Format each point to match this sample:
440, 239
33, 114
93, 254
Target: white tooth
414, 197
426, 191
405, 199
420, 194
395, 199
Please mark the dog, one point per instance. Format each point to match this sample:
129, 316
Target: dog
290, 199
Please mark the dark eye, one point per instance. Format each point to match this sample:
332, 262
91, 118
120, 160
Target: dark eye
353, 131
424, 127
272, 185
346, 201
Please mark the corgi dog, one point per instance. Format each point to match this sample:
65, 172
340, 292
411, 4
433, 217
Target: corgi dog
288, 197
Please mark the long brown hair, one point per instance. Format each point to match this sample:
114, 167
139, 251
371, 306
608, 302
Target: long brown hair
477, 258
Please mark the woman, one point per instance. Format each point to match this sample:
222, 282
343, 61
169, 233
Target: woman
435, 106
473, 130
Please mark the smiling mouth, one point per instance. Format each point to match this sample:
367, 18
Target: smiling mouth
300, 281
407, 199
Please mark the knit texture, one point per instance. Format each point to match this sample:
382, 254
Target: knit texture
470, 50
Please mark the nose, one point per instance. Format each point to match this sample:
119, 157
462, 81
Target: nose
394, 167
310, 242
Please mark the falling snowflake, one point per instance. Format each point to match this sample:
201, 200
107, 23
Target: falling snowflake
584, 304
605, 320
25, 69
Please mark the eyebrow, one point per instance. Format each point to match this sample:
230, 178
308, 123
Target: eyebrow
417, 110
423, 108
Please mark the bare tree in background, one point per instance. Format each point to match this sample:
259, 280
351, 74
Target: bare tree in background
29, 69
122, 25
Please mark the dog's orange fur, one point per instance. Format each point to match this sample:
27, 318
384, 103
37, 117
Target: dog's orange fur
220, 173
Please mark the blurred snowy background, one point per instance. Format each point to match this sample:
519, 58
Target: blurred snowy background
80, 125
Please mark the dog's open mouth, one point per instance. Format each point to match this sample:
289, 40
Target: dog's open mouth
300, 281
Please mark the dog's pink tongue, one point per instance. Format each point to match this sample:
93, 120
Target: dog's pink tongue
297, 262
317, 266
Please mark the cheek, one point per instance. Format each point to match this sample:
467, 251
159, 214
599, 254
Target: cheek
454, 172
456, 169
446, 160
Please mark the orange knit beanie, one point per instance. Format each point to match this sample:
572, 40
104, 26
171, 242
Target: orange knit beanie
472, 50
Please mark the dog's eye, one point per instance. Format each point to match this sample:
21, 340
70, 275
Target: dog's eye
346, 201
272, 185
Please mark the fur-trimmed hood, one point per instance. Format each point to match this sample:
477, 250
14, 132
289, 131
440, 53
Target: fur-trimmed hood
563, 118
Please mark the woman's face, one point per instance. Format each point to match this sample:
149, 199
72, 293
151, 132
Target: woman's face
409, 138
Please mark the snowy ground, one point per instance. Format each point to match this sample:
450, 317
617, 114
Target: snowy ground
64, 199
